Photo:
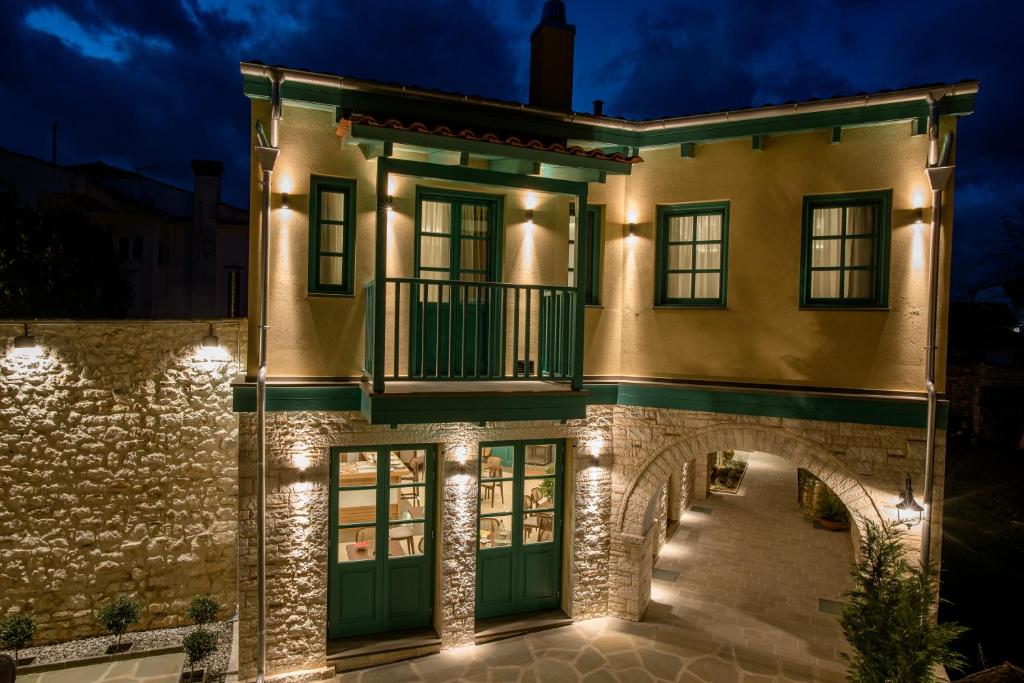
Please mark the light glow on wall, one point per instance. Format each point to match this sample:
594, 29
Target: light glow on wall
917, 247
531, 201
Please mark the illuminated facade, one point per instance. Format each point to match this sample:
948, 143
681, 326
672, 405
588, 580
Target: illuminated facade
498, 331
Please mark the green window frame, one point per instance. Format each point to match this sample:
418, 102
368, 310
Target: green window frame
845, 250
692, 255
457, 238
592, 288
331, 257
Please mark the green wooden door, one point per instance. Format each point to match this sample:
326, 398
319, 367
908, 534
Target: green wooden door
520, 536
380, 560
454, 242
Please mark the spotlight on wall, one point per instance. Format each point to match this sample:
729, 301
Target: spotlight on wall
529, 217
25, 341
389, 204
301, 461
631, 223
919, 215
461, 455
211, 341
908, 510
595, 447
286, 188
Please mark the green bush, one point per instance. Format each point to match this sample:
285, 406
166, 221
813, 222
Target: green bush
202, 609
16, 632
118, 616
198, 645
888, 621
832, 509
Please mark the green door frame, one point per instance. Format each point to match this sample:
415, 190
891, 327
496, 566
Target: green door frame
384, 582
520, 556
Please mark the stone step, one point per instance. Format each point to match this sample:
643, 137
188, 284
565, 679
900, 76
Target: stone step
499, 628
362, 652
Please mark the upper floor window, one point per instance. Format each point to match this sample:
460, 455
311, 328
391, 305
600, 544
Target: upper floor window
592, 259
845, 254
691, 257
332, 224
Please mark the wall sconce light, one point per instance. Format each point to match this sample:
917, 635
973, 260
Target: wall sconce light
210, 341
286, 188
632, 229
461, 455
908, 510
529, 217
595, 446
301, 462
631, 223
389, 204
25, 342
919, 215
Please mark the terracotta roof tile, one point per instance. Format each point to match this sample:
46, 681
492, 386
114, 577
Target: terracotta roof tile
493, 138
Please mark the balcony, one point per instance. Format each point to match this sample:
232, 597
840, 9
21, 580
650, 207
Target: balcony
452, 350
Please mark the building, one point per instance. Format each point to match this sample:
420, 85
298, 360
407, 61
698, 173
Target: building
499, 333
182, 251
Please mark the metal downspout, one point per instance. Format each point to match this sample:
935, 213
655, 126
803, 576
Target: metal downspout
938, 174
267, 155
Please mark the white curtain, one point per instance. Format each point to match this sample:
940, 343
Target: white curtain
825, 252
475, 221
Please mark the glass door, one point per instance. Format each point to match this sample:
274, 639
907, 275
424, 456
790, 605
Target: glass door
520, 534
454, 242
381, 539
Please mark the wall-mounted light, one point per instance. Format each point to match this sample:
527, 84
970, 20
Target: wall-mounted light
631, 224
286, 188
301, 461
211, 341
389, 204
529, 217
595, 446
461, 456
908, 510
919, 215
25, 341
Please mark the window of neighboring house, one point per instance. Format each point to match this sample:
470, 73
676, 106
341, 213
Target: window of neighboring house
592, 290
845, 251
332, 221
137, 248
692, 253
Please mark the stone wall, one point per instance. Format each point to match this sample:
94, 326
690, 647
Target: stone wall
297, 525
117, 470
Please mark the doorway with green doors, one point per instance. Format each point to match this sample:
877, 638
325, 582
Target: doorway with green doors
458, 241
519, 556
381, 545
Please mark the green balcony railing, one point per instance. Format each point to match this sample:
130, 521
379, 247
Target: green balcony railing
441, 330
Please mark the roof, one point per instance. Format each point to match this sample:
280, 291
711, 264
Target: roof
508, 140
961, 87
1004, 673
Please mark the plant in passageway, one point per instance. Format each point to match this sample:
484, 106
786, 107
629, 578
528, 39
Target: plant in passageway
202, 610
16, 632
831, 509
117, 617
889, 619
198, 645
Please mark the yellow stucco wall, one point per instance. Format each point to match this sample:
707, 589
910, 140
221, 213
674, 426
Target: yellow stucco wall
761, 336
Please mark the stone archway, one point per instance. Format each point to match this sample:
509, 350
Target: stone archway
630, 577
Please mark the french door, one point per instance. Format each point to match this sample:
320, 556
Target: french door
519, 556
380, 563
455, 241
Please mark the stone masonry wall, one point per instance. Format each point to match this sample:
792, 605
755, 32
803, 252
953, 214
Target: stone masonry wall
297, 526
117, 471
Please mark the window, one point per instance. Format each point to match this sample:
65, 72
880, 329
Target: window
332, 221
845, 254
692, 250
592, 290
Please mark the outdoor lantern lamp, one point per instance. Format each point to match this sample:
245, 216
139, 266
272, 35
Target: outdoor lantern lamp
25, 341
210, 341
908, 510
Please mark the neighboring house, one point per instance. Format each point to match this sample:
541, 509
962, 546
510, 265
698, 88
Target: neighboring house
183, 252
497, 330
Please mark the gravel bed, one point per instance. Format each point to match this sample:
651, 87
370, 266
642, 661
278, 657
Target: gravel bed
143, 641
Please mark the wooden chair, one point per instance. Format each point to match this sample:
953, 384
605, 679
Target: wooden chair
493, 526
365, 534
547, 527
530, 523
494, 468
415, 465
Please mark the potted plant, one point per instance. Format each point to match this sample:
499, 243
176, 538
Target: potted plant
889, 620
16, 632
198, 645
202, 610
117, 617
831, 514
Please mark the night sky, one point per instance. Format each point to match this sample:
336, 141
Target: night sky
153, 84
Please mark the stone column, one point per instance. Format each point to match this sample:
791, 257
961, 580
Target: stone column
456, 549
592, 509
629, 575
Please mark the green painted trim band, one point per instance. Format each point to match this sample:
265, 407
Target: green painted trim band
528, 123
874, 410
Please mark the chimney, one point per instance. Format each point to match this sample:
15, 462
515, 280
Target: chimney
551, 52
203, 264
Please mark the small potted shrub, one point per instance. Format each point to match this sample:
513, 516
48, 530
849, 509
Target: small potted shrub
16, 632
117, 617
831, 513
198, 645
202, 610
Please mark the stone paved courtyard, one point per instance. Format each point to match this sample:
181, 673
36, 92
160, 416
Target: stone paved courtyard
743, 608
